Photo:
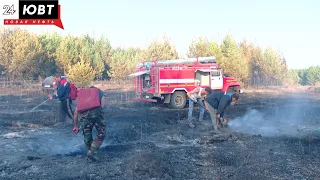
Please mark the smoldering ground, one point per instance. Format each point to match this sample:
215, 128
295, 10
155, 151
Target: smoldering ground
40, 142
152, 142
293, 117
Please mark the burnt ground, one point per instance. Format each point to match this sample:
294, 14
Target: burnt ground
147, 141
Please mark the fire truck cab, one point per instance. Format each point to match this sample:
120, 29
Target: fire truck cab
168, 81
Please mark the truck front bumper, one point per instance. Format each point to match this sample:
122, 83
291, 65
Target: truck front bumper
145, 97
145, 100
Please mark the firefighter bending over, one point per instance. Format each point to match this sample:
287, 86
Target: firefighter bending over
196, 96
216, 103
89, 106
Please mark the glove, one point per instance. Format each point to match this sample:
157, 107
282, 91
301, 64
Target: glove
217, 116
75, 130
53, 96
225, 121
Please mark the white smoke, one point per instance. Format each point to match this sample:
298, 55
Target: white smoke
45, 141
274, 122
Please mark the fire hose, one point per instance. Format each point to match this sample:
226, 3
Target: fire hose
39, 105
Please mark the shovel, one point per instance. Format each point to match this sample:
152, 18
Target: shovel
38, 105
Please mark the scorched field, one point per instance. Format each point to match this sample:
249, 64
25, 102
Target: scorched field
273, 134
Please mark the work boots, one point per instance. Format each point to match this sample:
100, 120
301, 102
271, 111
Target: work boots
91, 156
191, 125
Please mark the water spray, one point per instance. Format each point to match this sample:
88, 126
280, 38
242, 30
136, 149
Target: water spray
38, 105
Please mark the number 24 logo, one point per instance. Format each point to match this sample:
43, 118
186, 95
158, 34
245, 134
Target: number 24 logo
8, 10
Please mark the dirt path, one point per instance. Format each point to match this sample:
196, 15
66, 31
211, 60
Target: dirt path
152, 142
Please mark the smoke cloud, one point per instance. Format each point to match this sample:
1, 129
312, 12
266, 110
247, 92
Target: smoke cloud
292, 119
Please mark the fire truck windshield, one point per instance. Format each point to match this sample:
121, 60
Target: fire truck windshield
146, 81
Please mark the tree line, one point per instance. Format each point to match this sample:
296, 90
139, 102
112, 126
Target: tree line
24, 55
306, 76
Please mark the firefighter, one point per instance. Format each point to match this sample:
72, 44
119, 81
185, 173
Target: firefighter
63, 93
89, 107
196, 96
216, 103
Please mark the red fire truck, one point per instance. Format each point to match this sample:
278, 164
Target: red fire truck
168, 81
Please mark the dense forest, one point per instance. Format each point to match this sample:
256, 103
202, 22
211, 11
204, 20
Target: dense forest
24, 55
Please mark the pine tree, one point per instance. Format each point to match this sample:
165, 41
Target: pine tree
82, 74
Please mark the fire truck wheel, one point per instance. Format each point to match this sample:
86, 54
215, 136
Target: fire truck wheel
178, 100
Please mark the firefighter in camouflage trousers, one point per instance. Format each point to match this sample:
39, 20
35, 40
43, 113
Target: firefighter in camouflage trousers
91, 115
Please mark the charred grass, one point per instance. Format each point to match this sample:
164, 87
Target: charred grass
150, 141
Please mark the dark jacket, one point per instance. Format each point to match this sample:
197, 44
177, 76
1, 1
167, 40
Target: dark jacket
63, 90
101, 94
218, 100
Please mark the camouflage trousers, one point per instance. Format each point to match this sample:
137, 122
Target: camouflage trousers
88, 120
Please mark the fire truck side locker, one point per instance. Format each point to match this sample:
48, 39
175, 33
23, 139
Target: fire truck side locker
172, 87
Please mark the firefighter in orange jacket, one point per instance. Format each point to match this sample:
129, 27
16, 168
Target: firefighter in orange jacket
91, 115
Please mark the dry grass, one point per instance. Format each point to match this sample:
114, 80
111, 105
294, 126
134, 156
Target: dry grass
23, 89
280, 90
24, 97
124, 89
115, 85
27, 88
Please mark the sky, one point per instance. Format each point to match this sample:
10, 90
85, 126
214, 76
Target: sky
289, 26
